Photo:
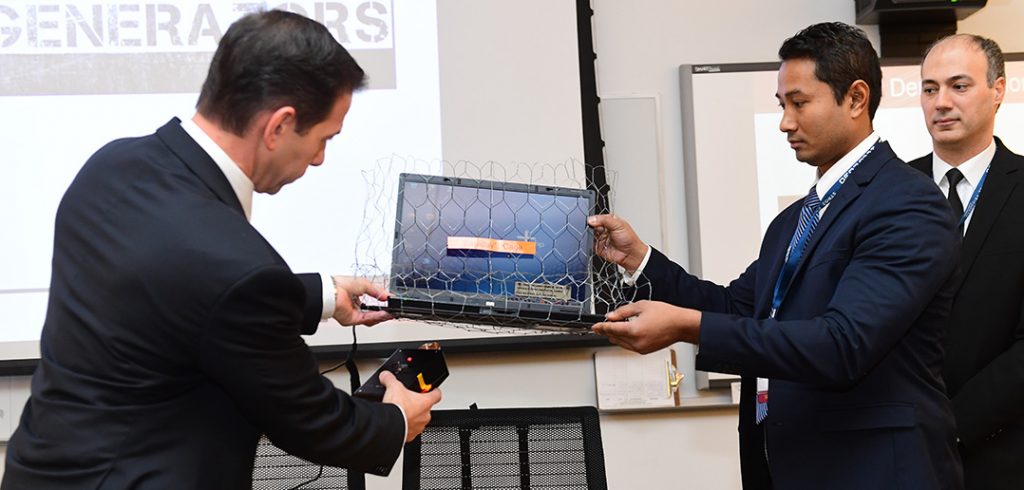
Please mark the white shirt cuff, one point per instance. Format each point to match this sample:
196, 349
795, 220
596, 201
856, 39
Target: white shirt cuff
630, 279
405, 423
329, 297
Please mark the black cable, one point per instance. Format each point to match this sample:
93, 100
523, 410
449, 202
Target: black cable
350, 358
353, 371
307, 482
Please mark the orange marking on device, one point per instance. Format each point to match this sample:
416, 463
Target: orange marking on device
424, 387
492, 245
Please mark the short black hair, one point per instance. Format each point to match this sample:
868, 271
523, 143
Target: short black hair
842, 55
273, 59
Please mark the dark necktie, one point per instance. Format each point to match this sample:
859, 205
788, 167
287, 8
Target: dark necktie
954, 177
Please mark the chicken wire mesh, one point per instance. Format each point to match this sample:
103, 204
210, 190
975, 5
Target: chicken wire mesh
495, 247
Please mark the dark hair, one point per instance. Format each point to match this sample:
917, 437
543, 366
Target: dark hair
273, 59
842, 55
993, 55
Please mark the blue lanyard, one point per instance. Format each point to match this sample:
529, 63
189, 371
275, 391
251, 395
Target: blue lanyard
974, 197
798, 244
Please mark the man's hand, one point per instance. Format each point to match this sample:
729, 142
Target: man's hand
647, 326
415, 405
616, 242
346, 301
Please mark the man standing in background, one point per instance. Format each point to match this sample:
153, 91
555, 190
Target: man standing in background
963, 83
172, 334
837, 327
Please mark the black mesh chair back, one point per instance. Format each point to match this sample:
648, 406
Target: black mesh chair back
275, 469
515, 448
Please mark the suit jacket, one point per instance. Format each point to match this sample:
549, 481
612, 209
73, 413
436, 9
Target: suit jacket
984, 369
856, 399
172, 339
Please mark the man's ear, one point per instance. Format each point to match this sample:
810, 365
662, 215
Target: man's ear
859, 98
280, 121
1000, 89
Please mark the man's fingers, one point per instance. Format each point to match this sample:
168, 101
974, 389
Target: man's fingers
349, 297
602, 220
614, 339
624, 312
610, 329
354, 286
371, 318
357, 316
389, 380
358, 286
434, 397
377, 292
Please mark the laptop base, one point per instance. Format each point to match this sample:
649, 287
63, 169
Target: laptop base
579, 323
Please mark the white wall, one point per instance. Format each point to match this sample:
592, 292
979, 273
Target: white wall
640, 44
999, 20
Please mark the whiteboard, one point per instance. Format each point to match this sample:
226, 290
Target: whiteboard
740, 172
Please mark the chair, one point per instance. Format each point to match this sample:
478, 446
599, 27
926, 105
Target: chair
275, 469
519, 448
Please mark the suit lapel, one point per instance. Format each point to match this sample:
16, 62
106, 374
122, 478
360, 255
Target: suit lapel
999, 185
199, 162
848, 193
924, 164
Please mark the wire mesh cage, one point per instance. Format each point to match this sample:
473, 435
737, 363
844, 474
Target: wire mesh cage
503, 248
512, 449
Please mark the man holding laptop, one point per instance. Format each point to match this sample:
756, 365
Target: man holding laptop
837, 327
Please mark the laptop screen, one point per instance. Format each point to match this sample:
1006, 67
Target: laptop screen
480, 242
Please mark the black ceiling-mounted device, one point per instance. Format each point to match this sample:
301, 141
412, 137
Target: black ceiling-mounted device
907, 27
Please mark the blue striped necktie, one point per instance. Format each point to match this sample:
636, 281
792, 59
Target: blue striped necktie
808, 221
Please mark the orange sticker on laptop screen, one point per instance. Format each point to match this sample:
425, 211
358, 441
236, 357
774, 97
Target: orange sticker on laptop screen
492, 245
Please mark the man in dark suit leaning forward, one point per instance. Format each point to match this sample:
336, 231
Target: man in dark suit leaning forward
836, 328
172, 334
963, 82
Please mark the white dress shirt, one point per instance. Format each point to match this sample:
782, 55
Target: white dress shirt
834, 173
972, 169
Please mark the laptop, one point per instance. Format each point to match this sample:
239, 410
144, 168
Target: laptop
492, 253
